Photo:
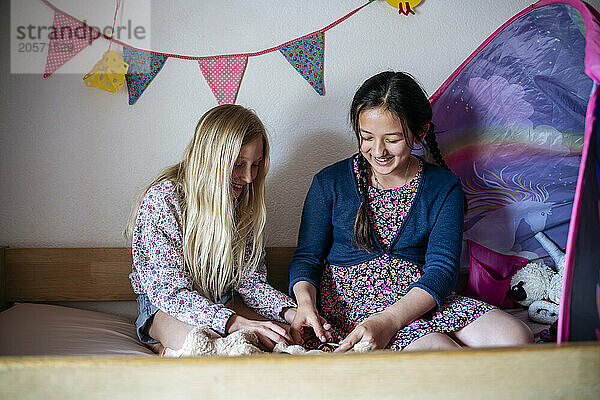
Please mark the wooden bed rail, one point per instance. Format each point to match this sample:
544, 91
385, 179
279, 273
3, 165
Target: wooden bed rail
531, 372
90, 274
95, 274
68, 274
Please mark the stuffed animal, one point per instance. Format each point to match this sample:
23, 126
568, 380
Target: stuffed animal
538, 286
202, 341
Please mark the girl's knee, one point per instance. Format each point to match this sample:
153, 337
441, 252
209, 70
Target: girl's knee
495, 328
518, 334
510, 331
432, 341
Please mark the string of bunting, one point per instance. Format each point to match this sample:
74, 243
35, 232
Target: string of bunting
223, 73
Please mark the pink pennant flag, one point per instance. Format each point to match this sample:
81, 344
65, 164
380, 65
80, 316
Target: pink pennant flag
67, 38
224, 75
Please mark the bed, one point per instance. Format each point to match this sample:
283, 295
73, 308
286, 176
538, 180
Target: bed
54, 351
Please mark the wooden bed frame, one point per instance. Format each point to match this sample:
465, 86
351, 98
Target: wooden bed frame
100, 274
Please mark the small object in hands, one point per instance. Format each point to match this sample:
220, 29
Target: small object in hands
328, 347
297, 349
311, 342
109, 73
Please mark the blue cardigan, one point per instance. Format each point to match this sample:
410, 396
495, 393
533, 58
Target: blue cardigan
430, 235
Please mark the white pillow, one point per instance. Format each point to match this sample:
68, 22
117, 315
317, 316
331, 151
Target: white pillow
43, 329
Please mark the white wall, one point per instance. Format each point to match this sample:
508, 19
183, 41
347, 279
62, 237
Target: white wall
72, 159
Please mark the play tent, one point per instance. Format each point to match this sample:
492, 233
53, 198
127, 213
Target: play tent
518, 122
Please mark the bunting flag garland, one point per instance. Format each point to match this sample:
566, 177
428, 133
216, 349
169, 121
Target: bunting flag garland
224, 75
68, 37
307, 57
143, 67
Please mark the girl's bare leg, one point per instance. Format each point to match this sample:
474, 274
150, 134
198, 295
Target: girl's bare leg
169, 331
494, 328
432, 341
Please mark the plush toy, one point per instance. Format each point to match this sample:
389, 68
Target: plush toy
538, 286
202, 341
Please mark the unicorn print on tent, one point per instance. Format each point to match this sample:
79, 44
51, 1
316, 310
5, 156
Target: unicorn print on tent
511, 125
502, 202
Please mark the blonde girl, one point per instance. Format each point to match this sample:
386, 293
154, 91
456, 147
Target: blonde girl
197, 238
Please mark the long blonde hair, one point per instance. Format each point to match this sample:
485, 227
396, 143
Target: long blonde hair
218, 229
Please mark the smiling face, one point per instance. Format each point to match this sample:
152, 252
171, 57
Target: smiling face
246, 166
383, 143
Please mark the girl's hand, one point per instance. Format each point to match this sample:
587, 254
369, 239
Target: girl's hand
269, 332
378, 329
288, 314
307, 316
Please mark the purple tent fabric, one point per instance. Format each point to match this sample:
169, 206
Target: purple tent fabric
514, 121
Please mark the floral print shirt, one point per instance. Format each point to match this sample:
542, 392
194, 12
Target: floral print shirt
159, 270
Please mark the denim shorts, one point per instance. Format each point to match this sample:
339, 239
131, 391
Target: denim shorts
146, 311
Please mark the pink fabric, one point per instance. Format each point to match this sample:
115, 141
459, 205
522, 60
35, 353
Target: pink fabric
490, 274
43, 329
67, 32
224, 75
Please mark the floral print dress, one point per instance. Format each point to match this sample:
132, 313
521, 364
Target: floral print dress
350, 294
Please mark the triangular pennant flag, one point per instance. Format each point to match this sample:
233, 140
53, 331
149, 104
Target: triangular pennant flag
143, 67
67, 38
307, 57
224, 75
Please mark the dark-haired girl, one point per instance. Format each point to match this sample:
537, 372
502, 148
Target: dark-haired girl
380, 239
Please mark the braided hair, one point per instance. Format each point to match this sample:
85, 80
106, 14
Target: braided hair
434, 149
363, 233
400, 94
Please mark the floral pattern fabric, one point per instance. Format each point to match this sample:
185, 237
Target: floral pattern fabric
306, 56
143, 67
